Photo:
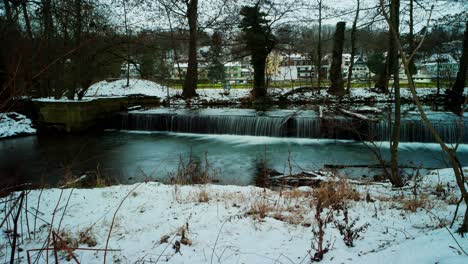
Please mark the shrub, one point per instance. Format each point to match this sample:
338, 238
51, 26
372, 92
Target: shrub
193, 172
348, 228
318, 244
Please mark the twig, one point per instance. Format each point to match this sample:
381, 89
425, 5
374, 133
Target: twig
113, 219
216, 242
37, 211
52, 225
168, 244
450, 232
456, 211
15, 229
65, 210
69, 250
9, 212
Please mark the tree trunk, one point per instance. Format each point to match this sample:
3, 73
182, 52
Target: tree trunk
336, 75
47, 50
459, 85
259, 65
127, 35
72, 91
413, 69
319, 49
381, 85
6, 3
26, 20
191, 78
353, 47
395, 177
27, 50
438, 74
450, 151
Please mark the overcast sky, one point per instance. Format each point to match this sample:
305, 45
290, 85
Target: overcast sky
150, 14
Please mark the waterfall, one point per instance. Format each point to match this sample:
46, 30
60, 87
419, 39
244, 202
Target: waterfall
284, 125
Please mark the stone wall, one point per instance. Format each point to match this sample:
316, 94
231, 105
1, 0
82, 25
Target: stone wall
76, 116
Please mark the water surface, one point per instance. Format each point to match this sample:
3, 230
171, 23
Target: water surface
136, 156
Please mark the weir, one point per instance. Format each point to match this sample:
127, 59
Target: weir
288, 123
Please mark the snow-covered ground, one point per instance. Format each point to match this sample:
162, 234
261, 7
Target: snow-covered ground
144, 87
14, 124
224, 224
118, 88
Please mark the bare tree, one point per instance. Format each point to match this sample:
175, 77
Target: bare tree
392, 67
459, 85
319, 46
451, 151
336, 76
127, 34
353, 46
191, 78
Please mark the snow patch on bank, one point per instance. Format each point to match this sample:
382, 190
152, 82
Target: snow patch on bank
119, 88
14, 124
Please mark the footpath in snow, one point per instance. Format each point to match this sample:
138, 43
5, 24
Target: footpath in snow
159, 223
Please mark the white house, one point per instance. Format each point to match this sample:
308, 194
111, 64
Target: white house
132, 68
442, 65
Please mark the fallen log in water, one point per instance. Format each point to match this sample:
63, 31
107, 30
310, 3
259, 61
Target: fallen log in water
357, 115
373, 166
305, 178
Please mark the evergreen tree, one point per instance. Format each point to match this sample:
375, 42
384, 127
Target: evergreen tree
147, 66
260, 42
216, 70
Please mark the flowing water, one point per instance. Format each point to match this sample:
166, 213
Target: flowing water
290, 123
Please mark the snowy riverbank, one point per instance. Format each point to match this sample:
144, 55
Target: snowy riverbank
231, 224
13, 124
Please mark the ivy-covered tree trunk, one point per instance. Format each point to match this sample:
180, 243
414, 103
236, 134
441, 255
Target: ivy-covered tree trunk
336, 73
381, 85
259, 65
191, 78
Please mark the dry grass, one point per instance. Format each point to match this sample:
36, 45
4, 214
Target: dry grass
335, 193
67, 241
203, 197
290, 206
413, 205
294, 194
92, 179
452, 200
260, 209
87, 237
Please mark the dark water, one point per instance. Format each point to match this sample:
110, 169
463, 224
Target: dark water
129, 157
